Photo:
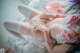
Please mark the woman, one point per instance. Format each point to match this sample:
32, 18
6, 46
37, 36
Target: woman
64, 48
26, 28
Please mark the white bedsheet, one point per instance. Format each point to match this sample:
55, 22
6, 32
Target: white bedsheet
30, 45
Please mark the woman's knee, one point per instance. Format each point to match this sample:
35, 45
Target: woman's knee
26, 28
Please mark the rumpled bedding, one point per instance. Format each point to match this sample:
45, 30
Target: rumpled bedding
30, 44
26, 46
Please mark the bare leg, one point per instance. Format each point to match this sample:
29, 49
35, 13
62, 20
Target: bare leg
33, 14
61, 48
28, 28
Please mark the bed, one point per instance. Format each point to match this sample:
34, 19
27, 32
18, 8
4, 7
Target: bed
27, 44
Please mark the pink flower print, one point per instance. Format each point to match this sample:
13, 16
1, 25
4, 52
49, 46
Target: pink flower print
67, 36
72, 19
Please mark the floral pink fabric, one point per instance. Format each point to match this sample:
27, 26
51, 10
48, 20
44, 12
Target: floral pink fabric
71, 27
55, 7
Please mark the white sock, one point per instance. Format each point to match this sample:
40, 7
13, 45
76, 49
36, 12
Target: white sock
13, 26
26, 10
15, 29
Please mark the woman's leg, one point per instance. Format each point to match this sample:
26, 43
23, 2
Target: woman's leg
28, 11
22, 28
28, 28
61, 48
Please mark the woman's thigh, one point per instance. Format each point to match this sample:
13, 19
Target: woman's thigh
61, 48
55, 29
28, 29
